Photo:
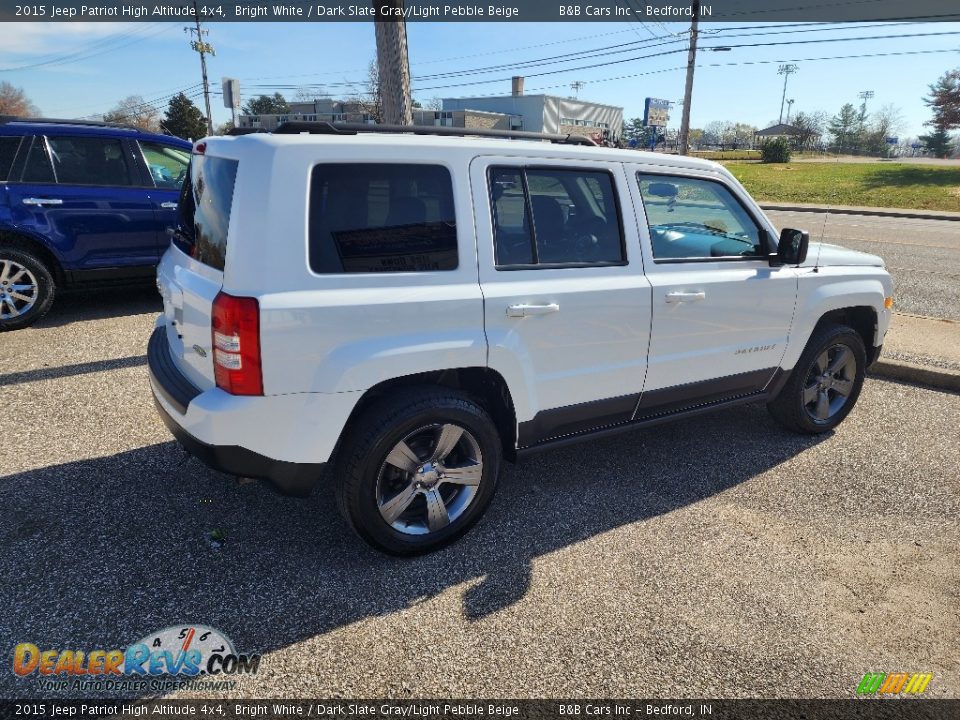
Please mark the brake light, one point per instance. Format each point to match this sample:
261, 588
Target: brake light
236, 344
200, 148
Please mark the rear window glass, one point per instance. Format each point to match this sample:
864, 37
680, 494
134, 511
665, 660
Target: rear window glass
8, 151
371, 218
205, 209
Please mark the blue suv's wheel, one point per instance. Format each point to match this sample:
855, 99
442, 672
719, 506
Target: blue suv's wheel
26, 289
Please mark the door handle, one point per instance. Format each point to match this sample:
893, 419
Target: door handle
42, 201
527, 310
168, 205
679, 297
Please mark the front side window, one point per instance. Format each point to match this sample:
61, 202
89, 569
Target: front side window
168, 165
690, 218
90, 161
543, 216
373, 218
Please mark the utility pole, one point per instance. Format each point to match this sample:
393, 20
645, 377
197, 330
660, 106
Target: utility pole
688, 89
575, 86
393, 63
865, 95
203, 48
785, 70
789, 108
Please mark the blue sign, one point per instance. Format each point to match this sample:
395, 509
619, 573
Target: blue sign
656, 112
892, 140
916, 146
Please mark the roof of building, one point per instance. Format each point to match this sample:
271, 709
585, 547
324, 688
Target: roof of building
778, 129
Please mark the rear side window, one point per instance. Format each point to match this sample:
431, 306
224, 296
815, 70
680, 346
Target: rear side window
204, 209
373, 218
551, 217
93, 161
8, 151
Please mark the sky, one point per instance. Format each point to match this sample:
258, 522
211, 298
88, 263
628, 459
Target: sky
82, 69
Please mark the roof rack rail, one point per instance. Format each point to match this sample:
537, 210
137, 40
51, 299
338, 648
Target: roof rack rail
244, 131
328, 128
4, 119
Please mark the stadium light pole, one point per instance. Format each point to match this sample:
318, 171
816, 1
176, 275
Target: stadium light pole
785, 70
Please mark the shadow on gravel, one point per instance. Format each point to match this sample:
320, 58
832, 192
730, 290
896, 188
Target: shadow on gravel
70, 370
98, 553
104, 302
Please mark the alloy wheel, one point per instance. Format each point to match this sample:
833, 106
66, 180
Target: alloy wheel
19, 289
429, 479
829, 383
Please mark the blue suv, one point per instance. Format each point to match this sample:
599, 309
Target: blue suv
81, 202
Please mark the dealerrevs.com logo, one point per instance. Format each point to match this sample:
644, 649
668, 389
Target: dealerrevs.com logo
175, 657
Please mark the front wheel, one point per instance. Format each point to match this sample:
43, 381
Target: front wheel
418, 470
825, 384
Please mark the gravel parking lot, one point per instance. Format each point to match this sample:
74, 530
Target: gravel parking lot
715, 557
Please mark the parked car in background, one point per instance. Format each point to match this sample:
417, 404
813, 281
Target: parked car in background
80, 202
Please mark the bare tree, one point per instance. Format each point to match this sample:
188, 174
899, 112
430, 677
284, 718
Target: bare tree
309, 93
133, 110
434, 103
14, 101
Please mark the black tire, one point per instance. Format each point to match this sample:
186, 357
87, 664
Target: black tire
797, 406
10, 258
363, 477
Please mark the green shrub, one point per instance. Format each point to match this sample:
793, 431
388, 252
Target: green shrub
775, 151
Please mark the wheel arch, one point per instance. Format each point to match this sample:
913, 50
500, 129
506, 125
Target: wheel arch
861, 318
23, 241
484, 385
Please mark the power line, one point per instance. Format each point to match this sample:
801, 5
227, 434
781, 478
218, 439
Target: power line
132, 37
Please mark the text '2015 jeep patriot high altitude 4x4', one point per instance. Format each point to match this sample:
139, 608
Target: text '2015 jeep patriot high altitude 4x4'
411, 309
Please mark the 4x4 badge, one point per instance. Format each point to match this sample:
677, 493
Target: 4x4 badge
200, 351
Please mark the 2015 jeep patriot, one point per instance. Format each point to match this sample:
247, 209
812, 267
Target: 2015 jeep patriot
412, 309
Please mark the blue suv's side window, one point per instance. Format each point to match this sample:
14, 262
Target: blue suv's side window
38, 168
8, 151
90, 161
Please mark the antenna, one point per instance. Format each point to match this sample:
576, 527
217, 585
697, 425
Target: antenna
823, 234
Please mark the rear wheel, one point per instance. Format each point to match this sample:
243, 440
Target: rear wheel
825, 384
418, 470
26, 289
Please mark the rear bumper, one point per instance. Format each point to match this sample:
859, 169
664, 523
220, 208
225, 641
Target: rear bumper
173, 394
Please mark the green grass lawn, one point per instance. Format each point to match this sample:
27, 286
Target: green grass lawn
894, 185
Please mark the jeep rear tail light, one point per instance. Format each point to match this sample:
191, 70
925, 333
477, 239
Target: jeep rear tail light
236, 344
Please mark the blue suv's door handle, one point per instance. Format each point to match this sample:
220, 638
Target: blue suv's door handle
168, 205
42, 201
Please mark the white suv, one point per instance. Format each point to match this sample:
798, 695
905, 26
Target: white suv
410, 309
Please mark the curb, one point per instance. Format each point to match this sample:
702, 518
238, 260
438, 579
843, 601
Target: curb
876, 212
938, 378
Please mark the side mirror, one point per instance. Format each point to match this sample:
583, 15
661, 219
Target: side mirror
792, 249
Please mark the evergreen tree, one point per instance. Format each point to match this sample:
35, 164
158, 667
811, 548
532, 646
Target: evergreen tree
184, 119
944, 98
938, 143
845, 126
267, 105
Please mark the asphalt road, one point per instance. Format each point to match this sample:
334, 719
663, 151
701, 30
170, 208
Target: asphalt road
922, 256
718, 556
